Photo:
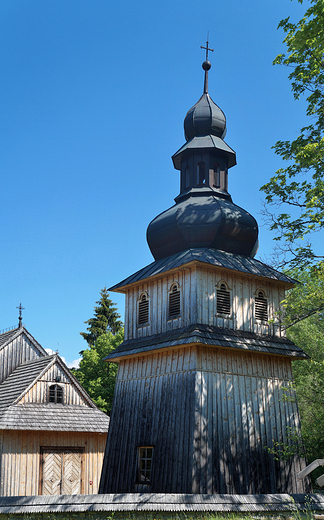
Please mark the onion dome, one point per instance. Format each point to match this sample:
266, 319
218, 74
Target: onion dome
205, 117
203, 222
204, 215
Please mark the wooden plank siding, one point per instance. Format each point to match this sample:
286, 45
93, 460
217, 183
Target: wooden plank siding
198, 287
209, 413
39, 392
21, 459
158, 293
18, 351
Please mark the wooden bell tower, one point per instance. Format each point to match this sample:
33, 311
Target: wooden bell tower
205, 363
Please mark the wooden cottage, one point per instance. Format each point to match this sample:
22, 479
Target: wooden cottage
205, 365
52, 435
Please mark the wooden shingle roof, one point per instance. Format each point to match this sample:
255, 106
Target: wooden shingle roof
212, 257
290, 504
54, 417
21, 379
7, 336
46, 416
201, 334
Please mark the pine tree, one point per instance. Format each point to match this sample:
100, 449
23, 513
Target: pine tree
106, 319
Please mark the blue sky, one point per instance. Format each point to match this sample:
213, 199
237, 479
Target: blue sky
92, 100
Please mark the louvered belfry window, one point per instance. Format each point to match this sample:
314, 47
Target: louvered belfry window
261, 307
223, 300
174, 302
55, 394
143, 310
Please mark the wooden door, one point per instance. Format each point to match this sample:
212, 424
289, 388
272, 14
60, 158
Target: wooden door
61, 471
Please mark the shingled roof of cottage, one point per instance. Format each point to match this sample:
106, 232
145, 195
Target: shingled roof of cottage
18, 413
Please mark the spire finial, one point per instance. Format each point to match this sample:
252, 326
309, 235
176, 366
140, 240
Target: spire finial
206, 65
21, 308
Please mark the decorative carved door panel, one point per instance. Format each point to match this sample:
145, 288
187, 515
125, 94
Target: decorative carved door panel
71, 482
52, 473
61, 471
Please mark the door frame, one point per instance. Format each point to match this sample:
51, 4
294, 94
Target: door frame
61, 449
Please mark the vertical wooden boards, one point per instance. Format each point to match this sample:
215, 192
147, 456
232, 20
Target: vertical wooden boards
248, 414
198, 289
21, 460
155, 408
17, 351
39, 392
1, 472
158, 295
209, 414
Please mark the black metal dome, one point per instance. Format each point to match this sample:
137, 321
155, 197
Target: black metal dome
205, 118
207, 221
204, 215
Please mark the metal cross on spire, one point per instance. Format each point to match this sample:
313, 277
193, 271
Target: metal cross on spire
21, 308
206, 65
207, 47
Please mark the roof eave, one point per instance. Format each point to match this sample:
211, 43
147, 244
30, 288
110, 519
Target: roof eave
204, 143
191, 264
293, 355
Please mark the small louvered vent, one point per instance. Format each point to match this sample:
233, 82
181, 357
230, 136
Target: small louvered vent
261, 307
223, 300
174, 302
143, 310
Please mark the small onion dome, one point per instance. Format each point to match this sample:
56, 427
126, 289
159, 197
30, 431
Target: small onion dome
200, 222
205, 118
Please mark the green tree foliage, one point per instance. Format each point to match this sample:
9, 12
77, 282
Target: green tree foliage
97, 376
309, 383
305, 324
307, 298
106, 319
298, 189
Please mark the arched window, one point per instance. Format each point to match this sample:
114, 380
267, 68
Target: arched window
143, 310
216, 180
223, 300
174, 301
261, 306
55, 394
187, 177
201, 176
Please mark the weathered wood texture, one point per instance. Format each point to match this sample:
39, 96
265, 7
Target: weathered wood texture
165, 506
39, 392
61, 471
16, 352
209, 413
198, 286
21, 459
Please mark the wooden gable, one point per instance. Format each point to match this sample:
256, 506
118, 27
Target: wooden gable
56, 374
16, 347
47, 446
